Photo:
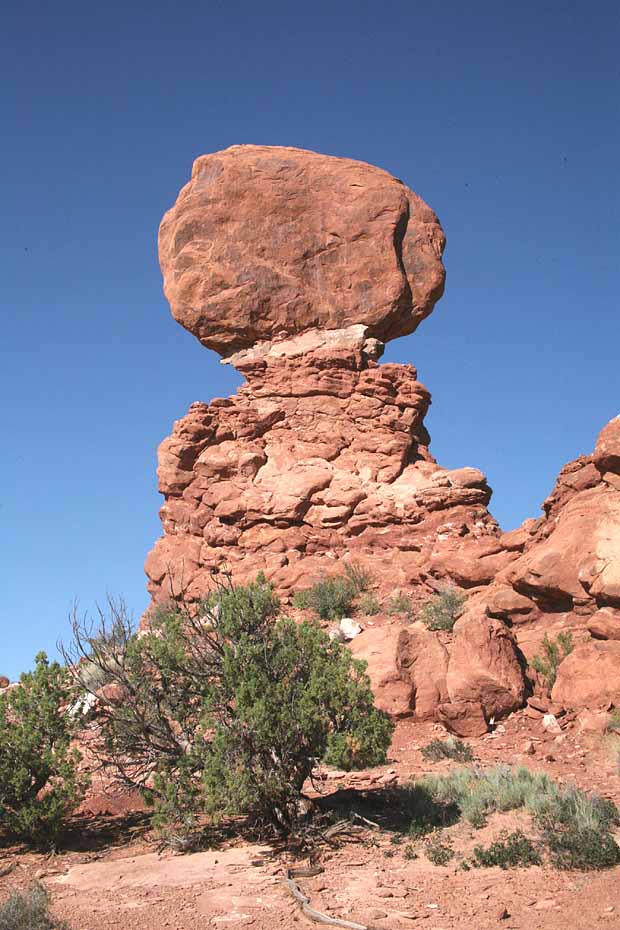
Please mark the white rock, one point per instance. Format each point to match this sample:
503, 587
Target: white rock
550, 724
350, 628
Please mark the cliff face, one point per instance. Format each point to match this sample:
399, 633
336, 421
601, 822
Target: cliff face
298, 267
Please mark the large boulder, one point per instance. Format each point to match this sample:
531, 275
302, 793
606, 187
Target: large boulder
379, 648
589, 676
606, 455
268, 241
485, 665
423, 661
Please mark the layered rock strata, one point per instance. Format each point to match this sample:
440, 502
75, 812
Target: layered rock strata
321, 456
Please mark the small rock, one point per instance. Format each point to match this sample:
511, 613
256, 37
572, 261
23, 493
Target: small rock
384, 893
529, 748
376, 914
350, 628
550, 724
546, 904
503, 914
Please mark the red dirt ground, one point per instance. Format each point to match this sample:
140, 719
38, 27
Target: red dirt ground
112, 876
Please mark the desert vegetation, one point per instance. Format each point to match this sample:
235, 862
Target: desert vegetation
451, 748
442, 610
574, 829
553, 652
225, 708
40, 777
29, 910
333, 597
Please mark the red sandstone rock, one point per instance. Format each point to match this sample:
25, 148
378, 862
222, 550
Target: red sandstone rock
380, 649
4, 682
463, 718
298, 264
484, 665
606, 455
589, 677
605, 624
423, 661
318, 458
267, 241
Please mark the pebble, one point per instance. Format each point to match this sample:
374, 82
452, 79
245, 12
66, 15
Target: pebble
545, 904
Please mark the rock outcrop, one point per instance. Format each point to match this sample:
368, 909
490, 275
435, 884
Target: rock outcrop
566, 577
298, 267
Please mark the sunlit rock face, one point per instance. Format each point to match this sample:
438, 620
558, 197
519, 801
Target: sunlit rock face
268, 242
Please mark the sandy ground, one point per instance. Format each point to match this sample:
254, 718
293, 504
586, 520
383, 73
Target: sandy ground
111, 875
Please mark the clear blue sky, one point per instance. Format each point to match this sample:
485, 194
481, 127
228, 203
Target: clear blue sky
503, 116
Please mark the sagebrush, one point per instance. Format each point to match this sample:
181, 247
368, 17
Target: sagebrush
29, 910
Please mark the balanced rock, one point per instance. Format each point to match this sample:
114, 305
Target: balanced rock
298, 267
268, 242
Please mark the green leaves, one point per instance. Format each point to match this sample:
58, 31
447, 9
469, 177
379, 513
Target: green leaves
229, 707
39, 779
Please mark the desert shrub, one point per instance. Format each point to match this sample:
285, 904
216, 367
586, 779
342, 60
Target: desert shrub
443, 609
575, 827
358, 576
330, 599
586, 848
438, 851
369, 605
400, 604
450, 748
479, 792
29, 910
39, 779
228, 708
511, 851
554, 651
614, 723
409, 852
422, 812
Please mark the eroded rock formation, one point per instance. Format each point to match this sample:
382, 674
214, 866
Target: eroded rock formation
298, 267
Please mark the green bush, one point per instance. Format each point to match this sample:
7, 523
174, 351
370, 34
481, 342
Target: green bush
443, 609
330, 598
29, 910
450, 748
358, 576
614, 724
438, 851
369, 605
400, 604
39, 779
229, 708
509, 852
576, 828
479, 792
554, 652
574, 847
